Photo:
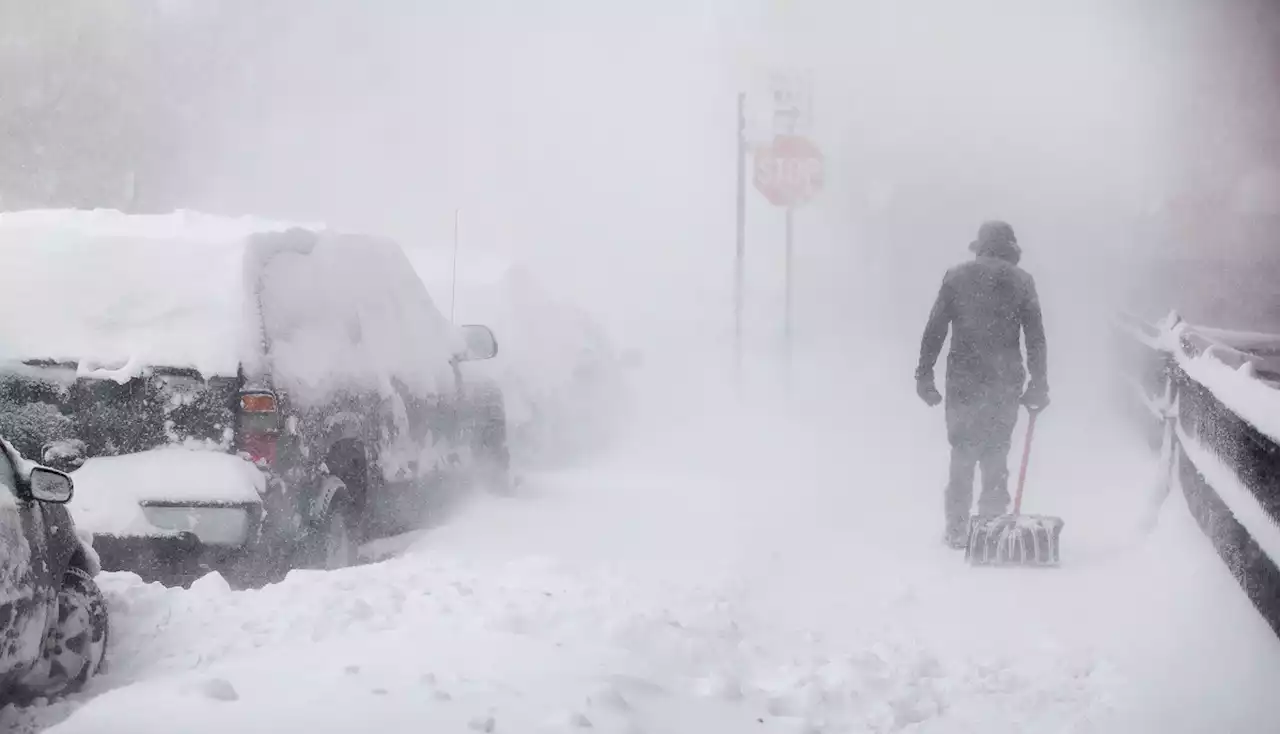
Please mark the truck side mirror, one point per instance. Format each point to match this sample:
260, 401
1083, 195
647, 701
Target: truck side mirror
481, 344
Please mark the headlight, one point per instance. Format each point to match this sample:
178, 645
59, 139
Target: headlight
227, 526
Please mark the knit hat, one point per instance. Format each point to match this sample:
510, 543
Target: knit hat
996, 239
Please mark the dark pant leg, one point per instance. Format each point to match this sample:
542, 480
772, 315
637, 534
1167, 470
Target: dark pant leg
980, 421
994, 461
963, 408
959, 496
994, 498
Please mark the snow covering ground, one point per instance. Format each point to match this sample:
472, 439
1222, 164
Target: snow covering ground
773, 569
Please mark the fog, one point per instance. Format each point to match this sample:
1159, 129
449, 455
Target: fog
1133, 146
596, 141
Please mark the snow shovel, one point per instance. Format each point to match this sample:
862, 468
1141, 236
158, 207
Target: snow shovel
1016, 539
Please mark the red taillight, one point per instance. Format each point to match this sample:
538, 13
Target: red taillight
258, 426
258, 403
261, 447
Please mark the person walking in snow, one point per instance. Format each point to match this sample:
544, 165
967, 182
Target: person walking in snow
987, 303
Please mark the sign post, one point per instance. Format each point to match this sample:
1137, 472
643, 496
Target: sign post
739, 266
789, 172
786, 307
453, 279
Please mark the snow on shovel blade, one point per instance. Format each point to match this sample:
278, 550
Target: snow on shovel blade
1014, 540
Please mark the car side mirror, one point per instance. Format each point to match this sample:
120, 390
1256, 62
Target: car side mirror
50, 485
481, 344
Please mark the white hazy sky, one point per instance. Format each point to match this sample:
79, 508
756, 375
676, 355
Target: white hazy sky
595, 140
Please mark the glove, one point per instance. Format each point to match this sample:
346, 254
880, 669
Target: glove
1036, 397
927, 391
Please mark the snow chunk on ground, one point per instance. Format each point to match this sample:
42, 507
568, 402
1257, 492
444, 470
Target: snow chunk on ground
108, 490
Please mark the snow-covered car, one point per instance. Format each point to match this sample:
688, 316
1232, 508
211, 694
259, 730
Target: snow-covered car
233, 394
53, 620
563, 380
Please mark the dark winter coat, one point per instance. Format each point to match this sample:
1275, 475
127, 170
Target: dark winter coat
986, 302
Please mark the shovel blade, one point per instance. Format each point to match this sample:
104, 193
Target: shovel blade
1014, 540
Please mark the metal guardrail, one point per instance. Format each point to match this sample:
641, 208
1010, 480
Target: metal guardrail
1173, 406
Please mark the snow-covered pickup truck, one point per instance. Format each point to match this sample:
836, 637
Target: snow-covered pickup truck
53, 620
233, 394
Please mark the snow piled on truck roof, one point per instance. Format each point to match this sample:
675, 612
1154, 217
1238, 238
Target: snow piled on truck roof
113, 291
116, 293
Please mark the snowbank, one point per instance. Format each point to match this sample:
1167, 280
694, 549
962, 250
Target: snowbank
432, 643
129, 290
109, 490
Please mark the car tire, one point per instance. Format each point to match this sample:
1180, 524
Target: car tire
333, 543
75, 646
338, 542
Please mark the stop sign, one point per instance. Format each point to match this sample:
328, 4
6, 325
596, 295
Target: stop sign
788, 171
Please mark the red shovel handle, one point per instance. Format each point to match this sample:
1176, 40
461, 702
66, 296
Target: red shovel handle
1026, 458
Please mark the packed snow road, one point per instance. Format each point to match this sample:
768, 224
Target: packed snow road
772, 570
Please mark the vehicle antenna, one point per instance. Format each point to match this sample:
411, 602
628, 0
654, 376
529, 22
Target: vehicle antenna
453, 282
